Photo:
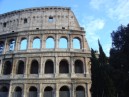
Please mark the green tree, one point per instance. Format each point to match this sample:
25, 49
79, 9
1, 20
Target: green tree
119, 60
102, 84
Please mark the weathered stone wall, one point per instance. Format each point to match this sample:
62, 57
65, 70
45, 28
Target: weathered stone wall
34, 23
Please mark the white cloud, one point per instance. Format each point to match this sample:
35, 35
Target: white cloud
96, 3
92, 26
120, 11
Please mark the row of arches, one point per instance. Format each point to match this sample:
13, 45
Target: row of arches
64, 67
64, 91
36, 43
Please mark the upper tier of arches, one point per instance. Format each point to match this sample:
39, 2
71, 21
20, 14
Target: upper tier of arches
42, 42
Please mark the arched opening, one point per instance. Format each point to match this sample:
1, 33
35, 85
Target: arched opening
36, 43
20, 67
49, 67
23, 45
34, 67
4, 92
63, 43
64, 66
1, 47
7, 68
11, 45
33, 91
76, 43
80, 91
79, 66
48, 92
64, 92
17, 92
50, 42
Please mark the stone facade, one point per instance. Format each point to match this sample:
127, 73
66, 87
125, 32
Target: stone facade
43, 72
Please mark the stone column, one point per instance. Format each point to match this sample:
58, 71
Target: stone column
5, 47
43, 42
73, 90
72, 66
25, 91
56, 66
88, 90
26, 68
40, 91
71, 43
1, 66
56, 42
57, 90
10, 91
87, 60
28, 43
16, 44
41, 67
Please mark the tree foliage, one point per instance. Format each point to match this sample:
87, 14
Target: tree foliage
102, 84
119, 60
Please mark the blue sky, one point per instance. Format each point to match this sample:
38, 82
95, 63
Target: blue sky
98, 17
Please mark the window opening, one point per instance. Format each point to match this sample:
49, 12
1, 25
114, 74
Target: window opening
50, 19
64, 67
63, 43
25, 21
49, 67
23, 45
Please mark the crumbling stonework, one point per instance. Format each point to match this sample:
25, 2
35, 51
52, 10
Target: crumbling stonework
43, 72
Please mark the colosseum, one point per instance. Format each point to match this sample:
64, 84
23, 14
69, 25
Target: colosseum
34, 62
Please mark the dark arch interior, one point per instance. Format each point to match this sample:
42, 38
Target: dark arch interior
20, 68
80, 91
80, 88
7, 68
48, 89
4, 89
78, 66
64, 67
64, 91
18, 89
49, 67
34, 67
48, 92
33, 88
64, 88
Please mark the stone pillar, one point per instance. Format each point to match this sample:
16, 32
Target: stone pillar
13, 72
40, 91
56, 42
71, 43
43, 42
1, 66
56, 66
57, 90
16, 44
88, 90
73, 90
41, 67
5, 47
10, 91
87, 60
72, 66
29, 43
26, 68
25, 91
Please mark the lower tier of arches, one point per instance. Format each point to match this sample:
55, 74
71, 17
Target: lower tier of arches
45, 90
